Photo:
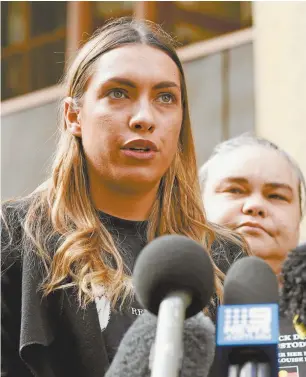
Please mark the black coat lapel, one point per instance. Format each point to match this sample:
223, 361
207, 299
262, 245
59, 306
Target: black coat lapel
37, 327
85, 330
56, 335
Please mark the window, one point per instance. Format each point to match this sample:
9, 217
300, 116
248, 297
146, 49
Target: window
105, 10
34, 32
194, 21
33, 45
188, 21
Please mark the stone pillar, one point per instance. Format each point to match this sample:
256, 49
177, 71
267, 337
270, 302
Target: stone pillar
280, 77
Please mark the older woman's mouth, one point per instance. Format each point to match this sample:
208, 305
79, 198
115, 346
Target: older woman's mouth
252, 227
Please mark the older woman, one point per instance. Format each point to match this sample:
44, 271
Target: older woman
252, 186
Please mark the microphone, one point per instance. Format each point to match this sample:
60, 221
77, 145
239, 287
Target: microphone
174, 279
136, 350
247, 323
293, 293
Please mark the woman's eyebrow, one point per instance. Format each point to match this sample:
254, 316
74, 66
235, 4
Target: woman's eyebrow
277, 185
273, 185
240, 180
132, 84
120, 81
166, 84
231, 180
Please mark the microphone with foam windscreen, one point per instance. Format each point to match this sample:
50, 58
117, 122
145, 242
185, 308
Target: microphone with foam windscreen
247, 323
293, 294
174, 279
136, 350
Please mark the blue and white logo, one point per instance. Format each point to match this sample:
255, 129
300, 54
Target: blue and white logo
247, 324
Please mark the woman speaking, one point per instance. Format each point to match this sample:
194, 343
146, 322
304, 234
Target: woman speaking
124, 173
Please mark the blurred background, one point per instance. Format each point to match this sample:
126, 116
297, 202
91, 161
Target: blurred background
244, 64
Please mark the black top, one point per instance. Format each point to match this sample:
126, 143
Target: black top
51, 336
130, 238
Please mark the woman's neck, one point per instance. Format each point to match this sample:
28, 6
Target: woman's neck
125, 204
276, 266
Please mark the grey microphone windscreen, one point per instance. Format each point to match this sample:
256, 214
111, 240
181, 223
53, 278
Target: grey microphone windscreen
134, 353
293, 295
250, 280
173, 263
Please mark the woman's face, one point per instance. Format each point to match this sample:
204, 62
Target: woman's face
131, 117
254, 191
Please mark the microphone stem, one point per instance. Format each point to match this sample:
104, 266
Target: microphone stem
255, 369
233, 371
249, 369
263, 370
168, 348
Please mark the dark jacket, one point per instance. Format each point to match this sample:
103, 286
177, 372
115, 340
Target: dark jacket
49, 336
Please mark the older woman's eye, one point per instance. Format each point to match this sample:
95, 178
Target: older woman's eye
277, 196
234, 190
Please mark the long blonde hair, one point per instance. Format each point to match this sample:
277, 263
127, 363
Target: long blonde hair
62, 211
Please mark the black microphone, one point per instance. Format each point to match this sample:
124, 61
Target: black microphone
136, 350
247, 323
293, 292
174, 279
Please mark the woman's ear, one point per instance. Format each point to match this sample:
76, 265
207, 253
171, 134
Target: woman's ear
72, 117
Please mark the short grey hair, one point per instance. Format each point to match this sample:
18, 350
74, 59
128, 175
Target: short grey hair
251, 139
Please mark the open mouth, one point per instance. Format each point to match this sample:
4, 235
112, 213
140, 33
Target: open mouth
140, 145
139, 153
139, 149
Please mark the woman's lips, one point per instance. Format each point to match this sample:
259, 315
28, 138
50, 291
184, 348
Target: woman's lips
140, 155
252, 227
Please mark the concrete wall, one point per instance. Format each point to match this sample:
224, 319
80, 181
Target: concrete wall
27, 144
280, 72
221, 97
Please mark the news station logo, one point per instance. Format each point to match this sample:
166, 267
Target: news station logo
251, 324
289, 372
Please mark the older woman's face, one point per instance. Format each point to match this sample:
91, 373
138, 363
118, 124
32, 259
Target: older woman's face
254, 191
131, 117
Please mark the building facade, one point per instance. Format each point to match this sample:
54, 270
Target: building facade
219, 50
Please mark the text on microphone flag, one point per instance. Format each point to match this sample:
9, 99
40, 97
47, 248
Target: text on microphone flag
251, 324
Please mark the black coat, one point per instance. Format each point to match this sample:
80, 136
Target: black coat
43, 336
48, 336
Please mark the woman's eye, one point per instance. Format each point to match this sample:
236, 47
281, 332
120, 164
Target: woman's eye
277, 196
166, 98
117, 94
234, 190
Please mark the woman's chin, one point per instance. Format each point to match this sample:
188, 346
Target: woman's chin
139, 182
265, 250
